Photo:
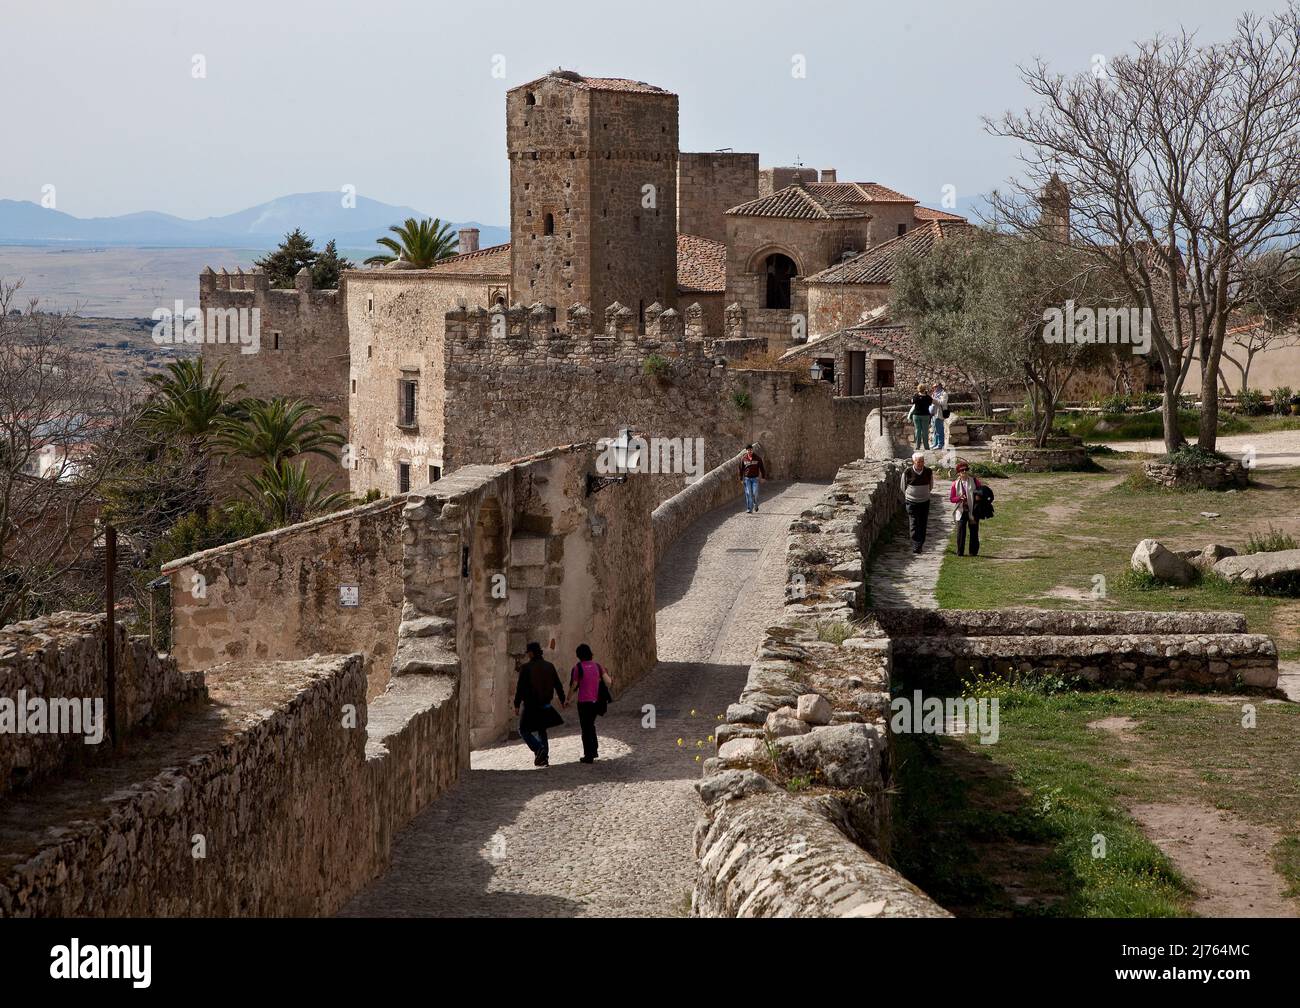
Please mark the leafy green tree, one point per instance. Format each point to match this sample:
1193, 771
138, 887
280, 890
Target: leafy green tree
272, 431
285, 493
298, 251
328, 267
420, 242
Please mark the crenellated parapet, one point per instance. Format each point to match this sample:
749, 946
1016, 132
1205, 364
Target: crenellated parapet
536, 334
244, 289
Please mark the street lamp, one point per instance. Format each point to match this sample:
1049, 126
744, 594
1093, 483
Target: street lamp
816, 370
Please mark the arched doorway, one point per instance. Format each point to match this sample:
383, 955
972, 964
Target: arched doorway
780, 270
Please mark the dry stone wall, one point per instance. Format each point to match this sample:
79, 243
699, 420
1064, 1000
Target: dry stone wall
61, 658
813, 712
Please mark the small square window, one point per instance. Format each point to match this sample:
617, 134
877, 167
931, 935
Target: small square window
435, 473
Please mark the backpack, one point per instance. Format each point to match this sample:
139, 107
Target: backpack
983, 503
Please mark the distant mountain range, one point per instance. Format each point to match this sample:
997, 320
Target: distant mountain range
321, 215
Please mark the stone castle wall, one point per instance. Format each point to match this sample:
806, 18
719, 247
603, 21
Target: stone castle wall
547, 382
277, 595
708, 184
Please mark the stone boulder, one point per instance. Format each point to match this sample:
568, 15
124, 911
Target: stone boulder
1265, 572
1205, 559
841, 756
814, 709
1162, 564
783, 722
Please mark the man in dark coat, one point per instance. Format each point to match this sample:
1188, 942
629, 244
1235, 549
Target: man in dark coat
538, 683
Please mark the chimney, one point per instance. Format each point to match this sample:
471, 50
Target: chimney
828, 175
468, 240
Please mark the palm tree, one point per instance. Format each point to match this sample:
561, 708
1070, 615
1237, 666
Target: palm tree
420, 242
286, 494
189, 401
273, 431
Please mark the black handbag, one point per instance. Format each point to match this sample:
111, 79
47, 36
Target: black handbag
603, 698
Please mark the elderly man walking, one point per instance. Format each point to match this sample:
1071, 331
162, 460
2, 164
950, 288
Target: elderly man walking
917, 483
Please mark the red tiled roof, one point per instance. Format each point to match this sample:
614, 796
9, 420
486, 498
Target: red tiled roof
876, 264
858, 192
493, 259
922, 213
797, 202
701, 264
577, 80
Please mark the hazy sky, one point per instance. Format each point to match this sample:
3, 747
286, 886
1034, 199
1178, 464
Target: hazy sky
399, 99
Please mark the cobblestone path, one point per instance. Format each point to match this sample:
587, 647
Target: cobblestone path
612, 838
901, 579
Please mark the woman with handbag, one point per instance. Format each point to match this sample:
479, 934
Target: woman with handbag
538, 683
965, 496
591, 684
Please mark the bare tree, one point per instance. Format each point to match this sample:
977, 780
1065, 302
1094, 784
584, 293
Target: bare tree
61, 424
1182, 164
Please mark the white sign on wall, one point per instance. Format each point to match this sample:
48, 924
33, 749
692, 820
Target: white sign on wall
349, 595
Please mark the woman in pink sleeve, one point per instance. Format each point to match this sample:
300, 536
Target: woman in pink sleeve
591, 685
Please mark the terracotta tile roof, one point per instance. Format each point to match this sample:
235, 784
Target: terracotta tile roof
876, 264
493, 259
597, 83
927, 214
797, 202
888, 337
701, 264
857, 192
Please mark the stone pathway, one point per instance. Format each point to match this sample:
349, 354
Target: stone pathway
1272, 450
901, 579
613, 838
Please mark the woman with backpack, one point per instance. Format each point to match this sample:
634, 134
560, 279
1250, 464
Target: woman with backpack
967, 494
591, 685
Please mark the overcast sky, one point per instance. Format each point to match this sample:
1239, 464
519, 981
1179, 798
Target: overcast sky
398, 97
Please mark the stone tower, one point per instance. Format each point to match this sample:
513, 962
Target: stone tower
593, 192
1054, 210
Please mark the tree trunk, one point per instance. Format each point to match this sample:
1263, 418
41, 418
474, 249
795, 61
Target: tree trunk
1169, 411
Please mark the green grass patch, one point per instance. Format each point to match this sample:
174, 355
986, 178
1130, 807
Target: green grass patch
1272, 541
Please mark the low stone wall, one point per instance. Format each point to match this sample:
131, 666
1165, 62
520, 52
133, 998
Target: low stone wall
718, 486
1228, 474
61, 658
796, 809
1053, 622
1205, 662
1019, 450
278, 799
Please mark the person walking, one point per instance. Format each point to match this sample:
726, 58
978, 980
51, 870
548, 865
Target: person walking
751, 471
592, 685
939, 409
919, 414
917, 482
538, 683
963, 495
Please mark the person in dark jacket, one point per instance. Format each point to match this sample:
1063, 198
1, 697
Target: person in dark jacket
538, 684
917, 484
751, 471
920, 415
584, 683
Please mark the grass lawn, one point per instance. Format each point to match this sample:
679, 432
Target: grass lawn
1010, 829
1139, 426
1063, 540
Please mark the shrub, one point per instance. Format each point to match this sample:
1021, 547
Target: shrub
1251, 402
1190, 456
835, 631
1282, 398
657, 366
1114, 405
1273, 541
1152, 400
193, 533
741, 400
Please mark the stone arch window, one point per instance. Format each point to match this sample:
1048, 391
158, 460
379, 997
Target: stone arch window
780, 270
548, 224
